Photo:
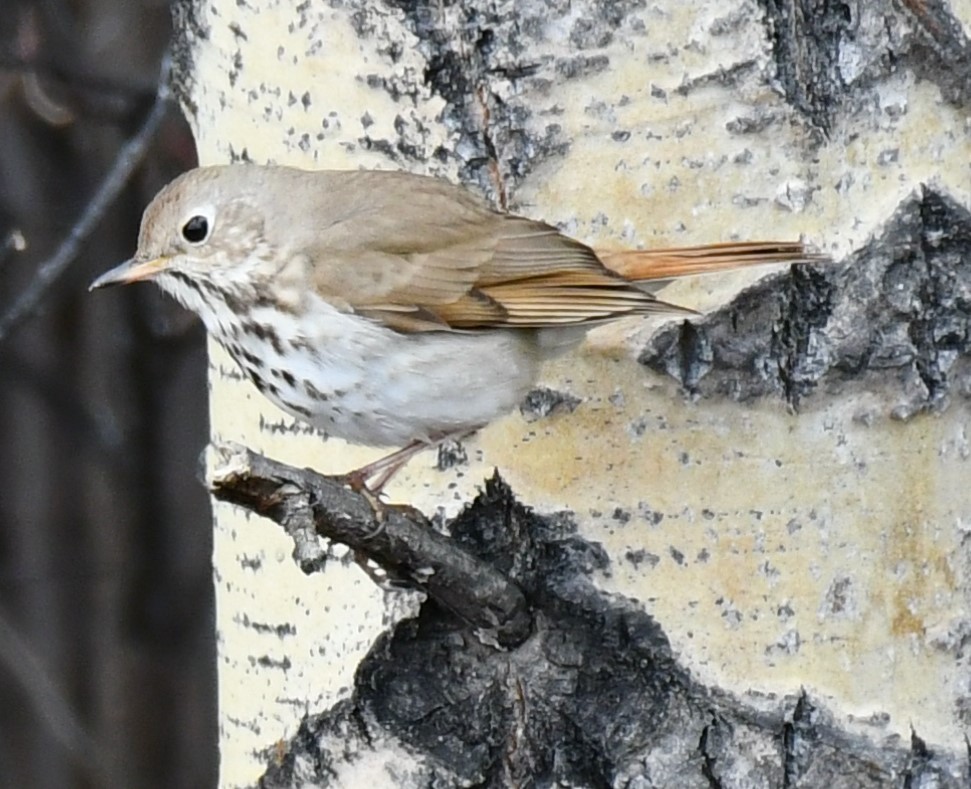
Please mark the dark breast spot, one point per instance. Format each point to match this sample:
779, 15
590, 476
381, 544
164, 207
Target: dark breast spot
264, 332
262, 300
252, 359
297, 409
192, 284
258, 330
284, 375
312, 391
299, 344
235, 351
234, 303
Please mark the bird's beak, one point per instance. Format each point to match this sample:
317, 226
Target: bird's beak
132, 270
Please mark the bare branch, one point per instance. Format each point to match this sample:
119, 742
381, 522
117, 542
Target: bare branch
399, 538
128, 159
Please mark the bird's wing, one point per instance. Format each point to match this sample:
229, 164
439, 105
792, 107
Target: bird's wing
420, 254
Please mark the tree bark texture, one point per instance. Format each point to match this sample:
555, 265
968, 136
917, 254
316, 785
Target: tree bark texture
745, 563
566, 686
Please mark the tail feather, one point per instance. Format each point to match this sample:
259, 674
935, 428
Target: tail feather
641, 265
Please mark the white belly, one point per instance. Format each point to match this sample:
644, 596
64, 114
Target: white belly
360, 381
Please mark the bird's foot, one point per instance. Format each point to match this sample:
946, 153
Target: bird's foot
370, 480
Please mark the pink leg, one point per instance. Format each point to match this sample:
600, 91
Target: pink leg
383, 469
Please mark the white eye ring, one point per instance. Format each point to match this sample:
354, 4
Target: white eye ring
198, 227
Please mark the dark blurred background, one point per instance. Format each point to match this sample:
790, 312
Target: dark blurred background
107, 661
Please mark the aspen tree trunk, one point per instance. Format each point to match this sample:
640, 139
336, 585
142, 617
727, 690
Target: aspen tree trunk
750, 530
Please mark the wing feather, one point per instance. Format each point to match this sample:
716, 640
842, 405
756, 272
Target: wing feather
421, 254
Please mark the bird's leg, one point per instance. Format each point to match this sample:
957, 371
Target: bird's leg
385, 476
383, 468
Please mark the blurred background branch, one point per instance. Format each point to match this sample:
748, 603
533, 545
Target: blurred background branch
106, 671
128, 158
50, 705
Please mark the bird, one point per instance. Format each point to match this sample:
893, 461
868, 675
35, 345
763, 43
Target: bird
392, 309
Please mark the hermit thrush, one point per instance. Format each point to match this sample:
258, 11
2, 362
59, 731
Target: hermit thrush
391, 309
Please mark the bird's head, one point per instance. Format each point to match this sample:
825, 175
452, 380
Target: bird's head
204, 230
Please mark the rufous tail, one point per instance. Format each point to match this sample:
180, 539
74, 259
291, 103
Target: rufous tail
641, 265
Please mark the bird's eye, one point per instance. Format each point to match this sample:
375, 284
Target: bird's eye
196, 230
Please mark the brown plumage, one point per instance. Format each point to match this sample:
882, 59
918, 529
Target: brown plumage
441, 258
390, 308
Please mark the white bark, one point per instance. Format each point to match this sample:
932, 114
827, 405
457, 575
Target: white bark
778, 550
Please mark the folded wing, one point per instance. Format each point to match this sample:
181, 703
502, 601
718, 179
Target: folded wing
420, 254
